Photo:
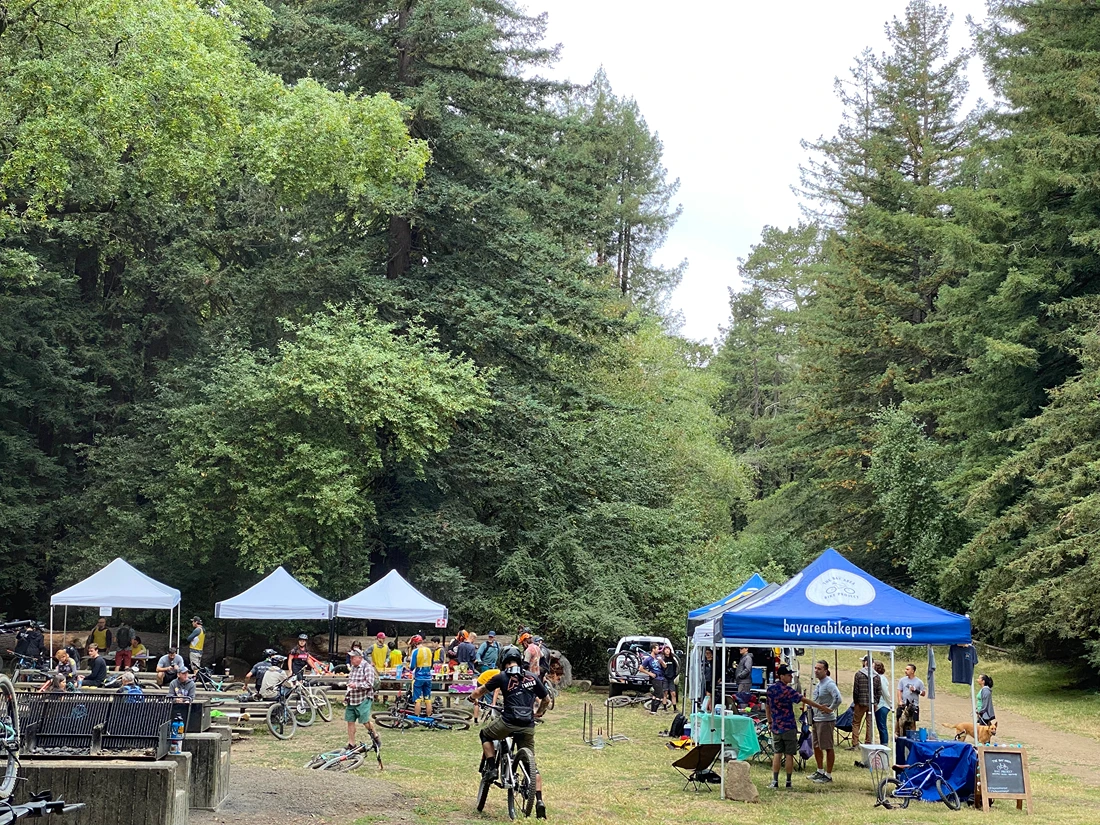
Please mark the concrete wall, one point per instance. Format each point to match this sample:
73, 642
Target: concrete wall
210, 758
114, 792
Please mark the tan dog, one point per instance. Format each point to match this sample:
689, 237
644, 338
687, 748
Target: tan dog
965, 730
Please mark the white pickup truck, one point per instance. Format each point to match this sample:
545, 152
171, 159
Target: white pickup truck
626, 659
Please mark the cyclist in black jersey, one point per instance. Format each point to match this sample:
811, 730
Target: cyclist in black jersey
519, 688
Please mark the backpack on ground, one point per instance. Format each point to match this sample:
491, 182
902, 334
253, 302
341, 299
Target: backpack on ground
676, 729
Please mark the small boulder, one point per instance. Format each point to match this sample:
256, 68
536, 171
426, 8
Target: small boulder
739, 785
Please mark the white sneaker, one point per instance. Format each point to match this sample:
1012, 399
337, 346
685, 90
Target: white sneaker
816, 774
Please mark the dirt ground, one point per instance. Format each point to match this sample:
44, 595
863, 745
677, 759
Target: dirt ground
270, 796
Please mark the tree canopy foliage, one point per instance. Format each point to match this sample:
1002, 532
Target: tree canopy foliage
932, 391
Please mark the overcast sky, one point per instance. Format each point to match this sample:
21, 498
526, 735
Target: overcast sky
731, 87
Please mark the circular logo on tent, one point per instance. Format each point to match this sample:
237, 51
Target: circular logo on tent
840, 587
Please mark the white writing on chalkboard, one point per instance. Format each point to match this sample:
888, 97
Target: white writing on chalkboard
1005, 773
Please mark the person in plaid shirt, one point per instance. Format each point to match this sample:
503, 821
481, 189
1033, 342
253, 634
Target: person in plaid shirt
779, 708
359, 698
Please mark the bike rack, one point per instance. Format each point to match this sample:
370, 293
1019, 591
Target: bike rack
601, 736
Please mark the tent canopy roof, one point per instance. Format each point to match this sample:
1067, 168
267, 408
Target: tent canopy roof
119, 585
833, 603
709, 611
278, 596
392, 598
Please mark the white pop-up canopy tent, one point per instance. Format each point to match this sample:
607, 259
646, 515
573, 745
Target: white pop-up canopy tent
392, 598
119, 585
278, 596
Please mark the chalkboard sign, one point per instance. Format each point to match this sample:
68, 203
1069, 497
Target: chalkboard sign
1004, 775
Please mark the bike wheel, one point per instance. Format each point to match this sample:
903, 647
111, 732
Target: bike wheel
281, 721
449, 723
525, 780
483, 790
455, 713
323, 704
619, 701
304, 711
342, 765
9, 736
393, 721
321, 758
948, 795
553, 694
886, 796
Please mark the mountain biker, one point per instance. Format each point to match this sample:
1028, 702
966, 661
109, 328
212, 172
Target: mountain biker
260, 670
30, 642
298, 657
519, 688
420, 660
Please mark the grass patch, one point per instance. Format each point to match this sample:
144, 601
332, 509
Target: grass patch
633, 781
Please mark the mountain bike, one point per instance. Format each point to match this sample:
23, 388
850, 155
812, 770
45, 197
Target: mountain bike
512, 769
894, 793
317, 694
404, 719
30, 668
404, 703
9, 737
220, 683
623, 701
347, 759
290, 710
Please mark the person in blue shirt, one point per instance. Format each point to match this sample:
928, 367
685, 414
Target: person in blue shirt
653, 667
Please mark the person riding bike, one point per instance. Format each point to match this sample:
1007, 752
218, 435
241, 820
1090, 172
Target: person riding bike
519, 688
30, 642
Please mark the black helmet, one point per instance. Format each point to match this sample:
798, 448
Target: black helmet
270, 652
510, 653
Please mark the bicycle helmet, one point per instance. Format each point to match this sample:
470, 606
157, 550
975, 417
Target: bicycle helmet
302, 637
270, 652
416, 640
510, 653
524, 639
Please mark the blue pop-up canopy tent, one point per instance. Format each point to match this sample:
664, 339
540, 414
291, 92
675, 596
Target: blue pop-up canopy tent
716, 609
832, 603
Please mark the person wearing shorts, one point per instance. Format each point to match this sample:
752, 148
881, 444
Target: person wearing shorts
359, 697
525, 700
420, 660
827, 695
779, 708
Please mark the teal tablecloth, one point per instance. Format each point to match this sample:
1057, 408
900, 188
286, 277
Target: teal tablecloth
740, 732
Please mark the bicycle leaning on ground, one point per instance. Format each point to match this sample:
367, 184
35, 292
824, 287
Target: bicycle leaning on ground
895, 793
346, 759
513, 769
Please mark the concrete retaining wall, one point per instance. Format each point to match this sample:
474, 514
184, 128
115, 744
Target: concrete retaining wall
210, 757
114, 792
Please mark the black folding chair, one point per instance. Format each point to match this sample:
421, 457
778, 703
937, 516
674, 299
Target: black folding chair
695, 763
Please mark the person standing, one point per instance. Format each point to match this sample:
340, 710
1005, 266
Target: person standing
743, 674
195, 642
779, 703
100, 635
884, 706
708, 678
910, 690
298, 657
394, 655
466, 652
420, 661
986, 714
865, 697
654, 668
672, 673
826, 701
489, 653
124, 638
359, 697
379, 652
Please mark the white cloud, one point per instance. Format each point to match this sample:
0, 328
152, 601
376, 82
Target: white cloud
731, 87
